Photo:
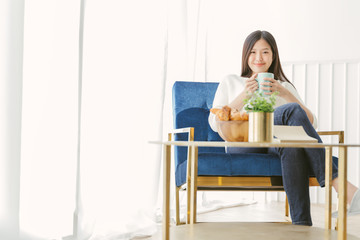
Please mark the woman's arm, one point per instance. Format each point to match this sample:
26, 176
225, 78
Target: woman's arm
232, 91
289, 97
251, 85
286, 94
238, 102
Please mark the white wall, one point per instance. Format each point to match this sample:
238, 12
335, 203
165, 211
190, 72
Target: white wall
305, 30
319, 30
11, 40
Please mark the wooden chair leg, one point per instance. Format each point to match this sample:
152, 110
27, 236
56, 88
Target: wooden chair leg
286, 207
177, 203
193, 197
287, 210
337, 209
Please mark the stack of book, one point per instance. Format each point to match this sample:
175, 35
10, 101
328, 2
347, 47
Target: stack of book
291, 134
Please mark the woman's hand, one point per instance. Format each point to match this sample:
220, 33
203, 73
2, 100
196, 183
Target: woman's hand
274, 86
251, 85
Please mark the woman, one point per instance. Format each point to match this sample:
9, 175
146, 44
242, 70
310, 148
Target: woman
260, 54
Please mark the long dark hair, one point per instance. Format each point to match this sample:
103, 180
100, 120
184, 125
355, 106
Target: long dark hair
275, 66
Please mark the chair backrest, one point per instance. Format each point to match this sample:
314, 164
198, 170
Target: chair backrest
191, 102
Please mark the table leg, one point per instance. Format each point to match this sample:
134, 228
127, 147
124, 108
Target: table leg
328, 187
188, 175
194, 172
166, 192
342, 193
188, 184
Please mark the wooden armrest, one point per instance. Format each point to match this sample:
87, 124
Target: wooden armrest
339, 133
182, 130
189, 130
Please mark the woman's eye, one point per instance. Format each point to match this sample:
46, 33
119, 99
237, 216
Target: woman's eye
266, 52
252, 52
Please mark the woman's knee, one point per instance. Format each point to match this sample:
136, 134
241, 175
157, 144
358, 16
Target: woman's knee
292, 155
292, 107
289, 112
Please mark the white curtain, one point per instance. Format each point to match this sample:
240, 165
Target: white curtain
91, 97
121, 111
49, 118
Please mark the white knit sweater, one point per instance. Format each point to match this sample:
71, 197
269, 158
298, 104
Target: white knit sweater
232, 85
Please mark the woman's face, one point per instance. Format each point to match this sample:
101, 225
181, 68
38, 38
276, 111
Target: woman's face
261, 57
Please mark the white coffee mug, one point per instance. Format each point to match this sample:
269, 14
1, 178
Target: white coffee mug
260, 79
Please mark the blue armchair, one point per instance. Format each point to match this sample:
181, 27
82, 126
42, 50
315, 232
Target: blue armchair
217, 169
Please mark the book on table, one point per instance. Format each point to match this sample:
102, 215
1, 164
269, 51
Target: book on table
283, 133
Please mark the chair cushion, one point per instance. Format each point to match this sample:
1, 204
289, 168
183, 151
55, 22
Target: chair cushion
224, 164
242, 164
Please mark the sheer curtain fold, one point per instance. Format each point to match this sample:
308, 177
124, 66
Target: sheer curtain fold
49, 118
122, 100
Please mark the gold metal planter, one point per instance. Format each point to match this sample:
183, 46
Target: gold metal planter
261, 126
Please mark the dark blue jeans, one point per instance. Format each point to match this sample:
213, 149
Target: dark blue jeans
296, 163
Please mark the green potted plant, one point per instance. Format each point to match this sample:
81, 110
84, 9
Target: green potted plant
261, 116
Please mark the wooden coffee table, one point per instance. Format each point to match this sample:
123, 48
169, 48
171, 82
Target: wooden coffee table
194, 145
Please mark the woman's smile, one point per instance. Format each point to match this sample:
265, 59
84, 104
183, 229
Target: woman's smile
260, 57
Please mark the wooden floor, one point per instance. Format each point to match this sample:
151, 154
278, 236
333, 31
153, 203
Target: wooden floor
250, 231
256, 221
